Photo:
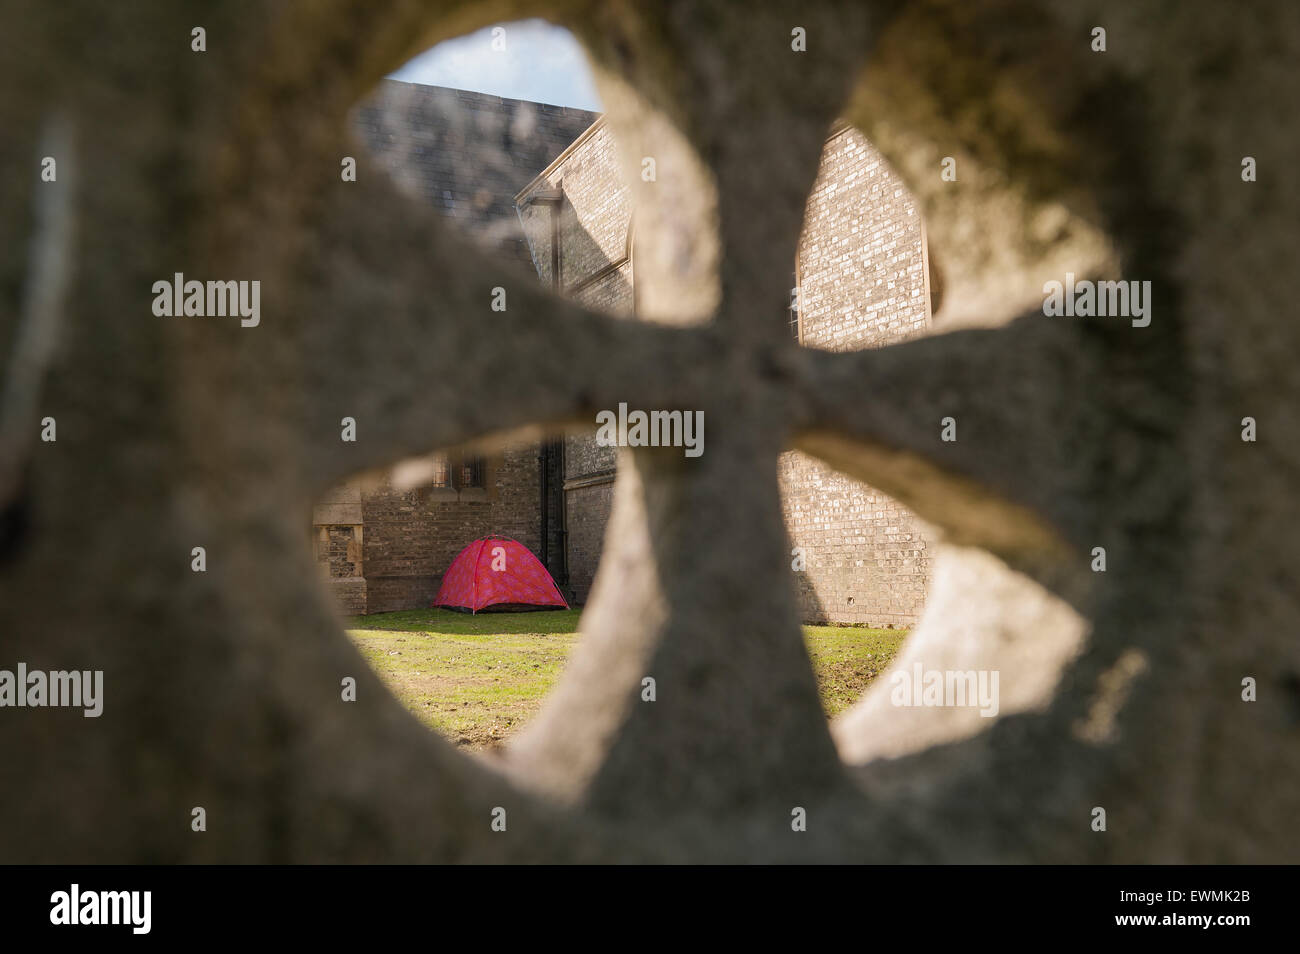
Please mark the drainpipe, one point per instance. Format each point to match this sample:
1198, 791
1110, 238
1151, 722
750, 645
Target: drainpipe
544, 484
564, 517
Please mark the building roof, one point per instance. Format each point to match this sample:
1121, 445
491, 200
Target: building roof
543, 176
467, 154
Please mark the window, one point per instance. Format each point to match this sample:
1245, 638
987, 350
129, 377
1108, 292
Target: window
469, 473
457, 471
441, 472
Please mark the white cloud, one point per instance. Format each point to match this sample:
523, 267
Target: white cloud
542, 62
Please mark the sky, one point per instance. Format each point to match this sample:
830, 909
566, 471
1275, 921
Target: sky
541, 62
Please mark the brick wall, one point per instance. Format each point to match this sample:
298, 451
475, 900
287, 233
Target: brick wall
595, 220
337, 537
411, 536
596, 269
862, 280
862, 283
588, 499
403, 540
588, 512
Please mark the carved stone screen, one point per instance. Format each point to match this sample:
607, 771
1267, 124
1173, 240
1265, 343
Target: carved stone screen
1100, 425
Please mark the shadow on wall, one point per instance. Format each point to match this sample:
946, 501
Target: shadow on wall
589, 272
573, 262
811, 607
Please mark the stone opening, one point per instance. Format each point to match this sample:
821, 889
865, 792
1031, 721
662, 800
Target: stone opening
1072, 435
545, 187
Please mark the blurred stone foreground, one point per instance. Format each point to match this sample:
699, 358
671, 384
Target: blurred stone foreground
222, 688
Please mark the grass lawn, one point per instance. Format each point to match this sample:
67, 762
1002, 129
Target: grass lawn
478, 679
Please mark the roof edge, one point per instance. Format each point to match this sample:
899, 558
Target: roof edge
568, 151
462, 93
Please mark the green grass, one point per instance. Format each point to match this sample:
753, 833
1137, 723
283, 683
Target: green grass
478, 679
847, 658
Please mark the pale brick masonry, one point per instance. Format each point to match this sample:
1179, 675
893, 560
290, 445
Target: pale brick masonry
863, 283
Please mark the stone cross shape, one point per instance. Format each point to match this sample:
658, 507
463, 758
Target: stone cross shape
178, 433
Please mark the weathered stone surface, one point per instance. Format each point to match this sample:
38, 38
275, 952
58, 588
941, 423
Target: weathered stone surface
222, 688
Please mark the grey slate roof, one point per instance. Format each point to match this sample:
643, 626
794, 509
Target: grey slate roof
467, 154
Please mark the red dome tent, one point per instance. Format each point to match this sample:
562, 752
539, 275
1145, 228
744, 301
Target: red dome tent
497, 572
